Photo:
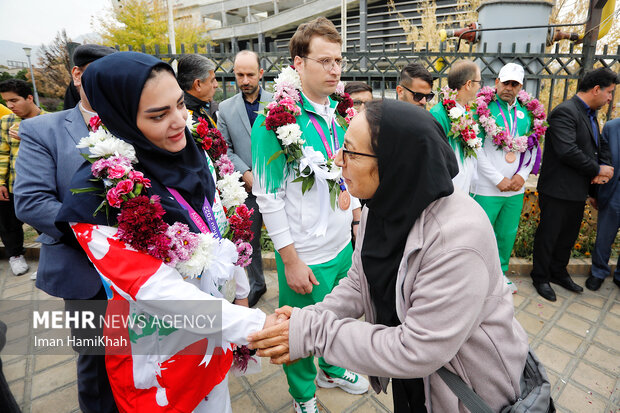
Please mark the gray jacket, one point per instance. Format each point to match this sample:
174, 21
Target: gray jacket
234, 125
46, 163
456, 311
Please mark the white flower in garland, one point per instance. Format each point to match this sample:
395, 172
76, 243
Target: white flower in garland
189, 122
456, 112
113, 146
201, 258
289, 76
231, 190
290, 134
94, 137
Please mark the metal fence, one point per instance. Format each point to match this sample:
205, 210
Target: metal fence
551, 76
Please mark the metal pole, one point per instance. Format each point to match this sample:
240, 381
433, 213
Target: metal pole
363, 24
589, 41
343, 24
171, 38
27, 50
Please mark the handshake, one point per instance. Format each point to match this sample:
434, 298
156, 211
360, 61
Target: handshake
606, 172
272, 341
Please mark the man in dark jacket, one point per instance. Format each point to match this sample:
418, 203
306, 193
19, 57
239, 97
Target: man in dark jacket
574, 158
608, 205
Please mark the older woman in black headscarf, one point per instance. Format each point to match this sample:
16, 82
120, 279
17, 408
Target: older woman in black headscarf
426, 276
167, 256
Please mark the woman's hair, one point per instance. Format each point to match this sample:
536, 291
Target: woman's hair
159, 69
374, 112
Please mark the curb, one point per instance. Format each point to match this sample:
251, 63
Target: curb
579, 267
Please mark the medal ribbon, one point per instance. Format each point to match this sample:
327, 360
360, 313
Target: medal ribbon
512, 132
205, 228
326, 144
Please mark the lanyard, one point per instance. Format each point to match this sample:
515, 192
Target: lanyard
328, 149
210, 226
319, 130
512, 132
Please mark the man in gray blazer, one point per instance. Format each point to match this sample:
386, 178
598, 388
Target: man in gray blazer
235, 119
47, 160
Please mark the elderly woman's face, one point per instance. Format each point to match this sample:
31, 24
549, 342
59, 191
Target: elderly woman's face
359, 170
161, 112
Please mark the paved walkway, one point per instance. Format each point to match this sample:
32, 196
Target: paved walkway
577, 337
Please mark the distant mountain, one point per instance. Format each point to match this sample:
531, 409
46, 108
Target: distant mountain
13, 51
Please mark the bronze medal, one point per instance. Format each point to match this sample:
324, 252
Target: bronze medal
511, 157
344, 200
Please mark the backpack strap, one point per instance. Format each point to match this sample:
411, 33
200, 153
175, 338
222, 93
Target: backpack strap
470, 399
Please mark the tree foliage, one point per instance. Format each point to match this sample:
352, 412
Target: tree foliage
54, 72
144, 22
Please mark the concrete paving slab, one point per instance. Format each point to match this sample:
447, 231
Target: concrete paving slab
577, 337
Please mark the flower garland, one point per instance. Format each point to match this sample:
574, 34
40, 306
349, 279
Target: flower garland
140, 222
280, 117
462, 123
230, 188
500, 135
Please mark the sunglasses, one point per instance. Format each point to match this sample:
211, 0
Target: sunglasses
417, 96
512, 83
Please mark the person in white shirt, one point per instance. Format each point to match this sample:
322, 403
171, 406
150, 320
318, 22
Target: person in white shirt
502, 173
312, 237
464, 78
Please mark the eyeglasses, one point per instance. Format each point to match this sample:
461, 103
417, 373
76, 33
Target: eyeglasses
329, 63
512, 83
346, 152
418, 96
476, 81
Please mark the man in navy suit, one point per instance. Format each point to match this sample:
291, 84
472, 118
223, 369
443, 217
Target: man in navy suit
47, 160
235, 120
608, 204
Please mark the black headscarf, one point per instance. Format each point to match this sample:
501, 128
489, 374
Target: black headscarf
113, 85
416, 167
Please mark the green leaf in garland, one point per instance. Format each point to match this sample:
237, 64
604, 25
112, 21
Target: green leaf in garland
84, 190
275, 156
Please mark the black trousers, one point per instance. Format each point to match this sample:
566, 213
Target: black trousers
94, 392
408, 395
255, 269
11, 231
556, 234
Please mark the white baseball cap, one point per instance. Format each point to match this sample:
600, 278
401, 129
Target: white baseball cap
511, 71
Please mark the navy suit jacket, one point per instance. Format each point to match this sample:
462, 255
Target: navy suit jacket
611, 134
45, 164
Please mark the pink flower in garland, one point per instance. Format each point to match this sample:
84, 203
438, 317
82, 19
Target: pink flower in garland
138, 178
114, 198
99, 167
95, 123
182, 241
224, 165
244, 249
116, 171
344, 104
124, 187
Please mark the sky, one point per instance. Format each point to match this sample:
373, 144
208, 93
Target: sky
37, 21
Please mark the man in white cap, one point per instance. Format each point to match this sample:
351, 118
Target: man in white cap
502, 173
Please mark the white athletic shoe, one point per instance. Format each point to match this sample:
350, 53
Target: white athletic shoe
306, 407
18, 264
33, 276
511, 285
350, 382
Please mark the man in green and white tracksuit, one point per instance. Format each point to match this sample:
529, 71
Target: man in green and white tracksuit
464, 77
309, 265
499, 185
